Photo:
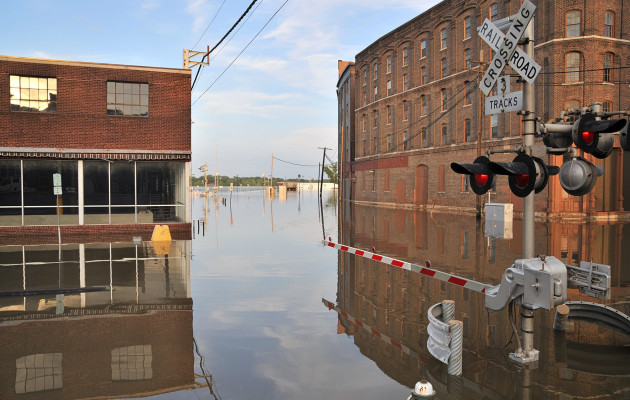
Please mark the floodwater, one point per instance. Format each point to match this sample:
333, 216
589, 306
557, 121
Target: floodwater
256, 306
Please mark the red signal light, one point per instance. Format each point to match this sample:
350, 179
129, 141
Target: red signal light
481, 179
522, 180
589, 137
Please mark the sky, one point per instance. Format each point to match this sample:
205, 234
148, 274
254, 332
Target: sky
268, 91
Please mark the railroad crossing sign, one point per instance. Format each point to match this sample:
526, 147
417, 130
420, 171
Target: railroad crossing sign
506, 49
505, 101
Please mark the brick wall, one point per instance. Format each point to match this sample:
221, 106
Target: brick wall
30, 235
81, 120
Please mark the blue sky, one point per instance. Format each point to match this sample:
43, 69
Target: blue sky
277, 98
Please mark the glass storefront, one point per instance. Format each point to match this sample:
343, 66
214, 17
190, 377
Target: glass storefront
93, 192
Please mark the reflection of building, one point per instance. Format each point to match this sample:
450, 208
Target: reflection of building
133, 339
418, 109
394, 301
118, 135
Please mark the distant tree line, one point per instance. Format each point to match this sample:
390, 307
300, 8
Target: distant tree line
247, 180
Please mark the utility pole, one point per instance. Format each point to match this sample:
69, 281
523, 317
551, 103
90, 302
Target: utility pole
189, 54
322, 177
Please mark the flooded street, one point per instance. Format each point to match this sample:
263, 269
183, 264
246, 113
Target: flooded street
256, 306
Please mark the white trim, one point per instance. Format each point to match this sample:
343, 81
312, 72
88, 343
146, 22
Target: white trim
575, 38
80, 193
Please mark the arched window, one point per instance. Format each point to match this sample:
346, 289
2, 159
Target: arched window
494, 12
468, 58
444, 98
423, 105
443, 37
423, 76
467, 133
424, 137
444, 69
573, 24
444, 135
572, 70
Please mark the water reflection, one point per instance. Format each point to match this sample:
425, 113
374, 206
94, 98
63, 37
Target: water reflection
133, 338
394, 302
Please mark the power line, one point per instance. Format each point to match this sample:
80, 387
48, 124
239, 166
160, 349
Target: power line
208, 27
292, 163
239, 28
242, 51
223, 38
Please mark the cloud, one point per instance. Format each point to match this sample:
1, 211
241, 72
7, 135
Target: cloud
251, 103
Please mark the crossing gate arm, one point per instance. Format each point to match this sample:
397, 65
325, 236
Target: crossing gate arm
430, 272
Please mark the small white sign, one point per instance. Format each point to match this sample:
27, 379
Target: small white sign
57, 190
56, 179
510, 102
508, 46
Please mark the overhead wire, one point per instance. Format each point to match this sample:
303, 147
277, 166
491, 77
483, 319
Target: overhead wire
239, 28
222, 39
210, 24
241, 52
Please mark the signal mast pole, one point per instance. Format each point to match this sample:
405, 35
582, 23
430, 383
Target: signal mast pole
529, 129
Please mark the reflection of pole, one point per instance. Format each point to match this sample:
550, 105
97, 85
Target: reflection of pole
322, 176
526, 381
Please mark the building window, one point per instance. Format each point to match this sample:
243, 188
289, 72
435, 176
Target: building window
608, 62
390, 146
494, 12
364, 77
364, 123
423, 76
33, 94
389, 64
405, 110
424, 137
467, 27
443, 37
364, 98
468, 58
375, 118
375, 93
469, 93
365, 148
405, 56
467, 136
443, 136
441, 179
572, 67
375, 144
375, 71
606, 106
444, 97
609, 27
389, 87
494, 126
405, 82
406, 143
423, 48
389, 115
444, 69
423, 105
125, 98
573, 23
465, 182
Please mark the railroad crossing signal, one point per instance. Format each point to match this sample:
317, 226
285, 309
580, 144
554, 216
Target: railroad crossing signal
525, 174
481, 176
595, 137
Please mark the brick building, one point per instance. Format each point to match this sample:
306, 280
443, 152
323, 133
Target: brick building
418, 107
119, 136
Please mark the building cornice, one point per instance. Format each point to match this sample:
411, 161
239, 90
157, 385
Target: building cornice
94, 65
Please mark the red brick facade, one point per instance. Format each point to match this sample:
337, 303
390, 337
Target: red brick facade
436, 102
81, 120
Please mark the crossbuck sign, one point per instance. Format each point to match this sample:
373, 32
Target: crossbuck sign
506, 49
